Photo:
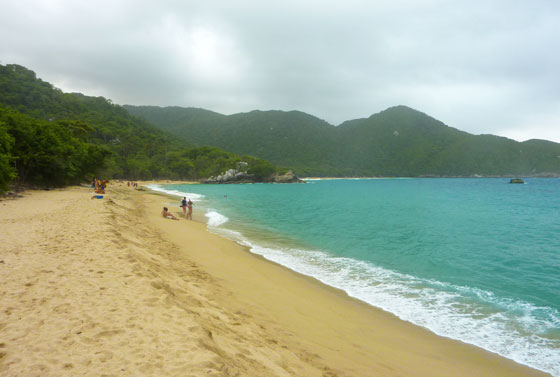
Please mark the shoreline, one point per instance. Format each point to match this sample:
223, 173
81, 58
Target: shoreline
123, 291
340, 291
545, 176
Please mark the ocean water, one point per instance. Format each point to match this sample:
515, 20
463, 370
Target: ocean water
476, 260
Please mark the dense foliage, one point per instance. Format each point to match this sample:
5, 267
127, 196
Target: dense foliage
46, 153
396, 142
291, 139
51, 138
7, 171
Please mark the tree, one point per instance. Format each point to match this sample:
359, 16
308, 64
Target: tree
7, 172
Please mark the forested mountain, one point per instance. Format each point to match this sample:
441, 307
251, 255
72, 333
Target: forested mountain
48, 137
399, 141
292, 139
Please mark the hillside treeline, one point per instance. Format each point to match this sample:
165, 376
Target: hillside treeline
51, 138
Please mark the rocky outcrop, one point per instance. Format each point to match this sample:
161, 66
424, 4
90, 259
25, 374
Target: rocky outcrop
289, 177
241, 175
238, 175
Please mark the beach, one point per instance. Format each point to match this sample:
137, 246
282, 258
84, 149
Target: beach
109, 287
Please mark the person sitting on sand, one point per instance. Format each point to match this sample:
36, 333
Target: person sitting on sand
168, 215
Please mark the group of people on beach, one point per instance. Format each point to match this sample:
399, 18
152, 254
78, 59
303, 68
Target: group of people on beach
133, 184
186, 205
98, 187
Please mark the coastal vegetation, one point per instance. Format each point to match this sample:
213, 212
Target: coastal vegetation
399, 141
51, 138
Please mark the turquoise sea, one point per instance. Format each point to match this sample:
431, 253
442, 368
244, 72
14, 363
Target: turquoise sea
476, 260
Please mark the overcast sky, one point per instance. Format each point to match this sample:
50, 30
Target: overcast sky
481, 66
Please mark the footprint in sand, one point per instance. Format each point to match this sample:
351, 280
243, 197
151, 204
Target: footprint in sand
108, 333
104, 355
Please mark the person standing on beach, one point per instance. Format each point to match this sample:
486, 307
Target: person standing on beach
184, 206
189, 213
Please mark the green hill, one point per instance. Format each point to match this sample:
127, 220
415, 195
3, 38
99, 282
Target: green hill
399, 141
290, 139
48, 137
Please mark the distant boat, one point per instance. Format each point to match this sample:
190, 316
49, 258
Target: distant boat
516, 180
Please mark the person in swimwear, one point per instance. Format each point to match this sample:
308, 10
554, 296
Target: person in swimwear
168, 215
189, 206
184, 206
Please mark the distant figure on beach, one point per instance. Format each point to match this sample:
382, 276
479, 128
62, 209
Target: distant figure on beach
189, 213
98, 192
184, 206
168, 215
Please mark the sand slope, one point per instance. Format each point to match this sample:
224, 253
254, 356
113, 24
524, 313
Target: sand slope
88, 289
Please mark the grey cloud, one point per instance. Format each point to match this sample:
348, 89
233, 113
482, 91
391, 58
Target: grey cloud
483, 66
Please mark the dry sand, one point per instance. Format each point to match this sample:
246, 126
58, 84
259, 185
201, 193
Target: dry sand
110, 288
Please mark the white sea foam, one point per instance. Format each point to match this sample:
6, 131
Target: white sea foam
471, 315
189, 195
215, 219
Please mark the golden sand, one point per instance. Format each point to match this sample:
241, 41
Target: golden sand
109, 287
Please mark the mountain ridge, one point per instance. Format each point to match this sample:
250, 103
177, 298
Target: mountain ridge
398, 141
